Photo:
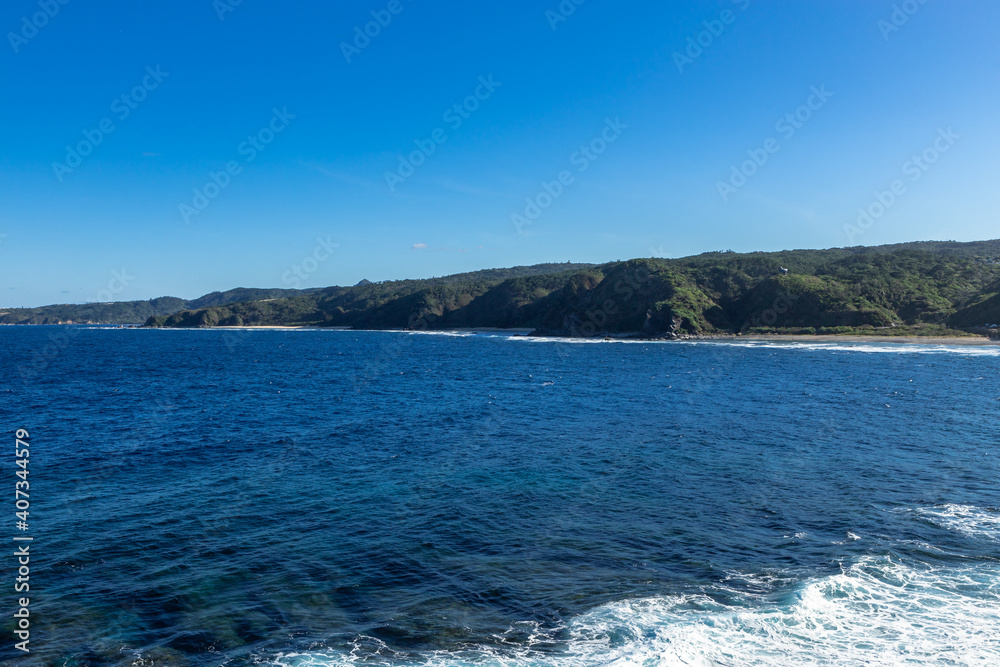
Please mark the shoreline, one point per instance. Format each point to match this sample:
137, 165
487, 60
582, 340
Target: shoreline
796, 338
853, 338
976, 340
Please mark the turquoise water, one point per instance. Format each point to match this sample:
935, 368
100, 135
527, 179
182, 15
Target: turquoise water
375, 498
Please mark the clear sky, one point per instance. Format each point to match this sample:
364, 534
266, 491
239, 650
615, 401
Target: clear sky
633, 114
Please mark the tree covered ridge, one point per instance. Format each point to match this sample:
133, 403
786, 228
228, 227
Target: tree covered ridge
137, 312
930, 287
132, 312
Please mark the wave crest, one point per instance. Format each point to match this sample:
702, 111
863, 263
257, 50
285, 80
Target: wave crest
981, 522
877, 612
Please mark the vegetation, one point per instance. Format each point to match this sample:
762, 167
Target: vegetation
429, 303
118, 312
936, 288
132, 312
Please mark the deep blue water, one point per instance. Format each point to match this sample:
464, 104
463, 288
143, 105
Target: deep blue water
211, 498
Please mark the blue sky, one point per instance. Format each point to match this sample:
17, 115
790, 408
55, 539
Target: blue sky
619, 99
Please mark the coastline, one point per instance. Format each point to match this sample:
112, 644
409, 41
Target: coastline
260, 326
846, 338
795, 338
975, 340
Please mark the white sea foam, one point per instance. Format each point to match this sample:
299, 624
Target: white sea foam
574, 341
877, 612
968, 519
869, 348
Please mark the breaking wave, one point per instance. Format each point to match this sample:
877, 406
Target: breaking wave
876, 612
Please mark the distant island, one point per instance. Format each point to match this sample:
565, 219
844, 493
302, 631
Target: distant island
925, 288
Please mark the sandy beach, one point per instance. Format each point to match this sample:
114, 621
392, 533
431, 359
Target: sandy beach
782, 338
973, 340
921, 340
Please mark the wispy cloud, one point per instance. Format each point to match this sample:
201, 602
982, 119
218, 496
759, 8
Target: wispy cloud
419, 246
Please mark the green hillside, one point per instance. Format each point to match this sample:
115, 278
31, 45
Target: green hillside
913, 288
132, 312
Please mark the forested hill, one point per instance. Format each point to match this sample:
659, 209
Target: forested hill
133, 312
137, 312
932, 287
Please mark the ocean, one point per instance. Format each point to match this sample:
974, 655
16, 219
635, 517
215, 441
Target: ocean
321, 497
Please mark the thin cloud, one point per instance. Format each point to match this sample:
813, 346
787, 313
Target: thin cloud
419, 246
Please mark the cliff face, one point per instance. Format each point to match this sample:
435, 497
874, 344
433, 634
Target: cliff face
923, 285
